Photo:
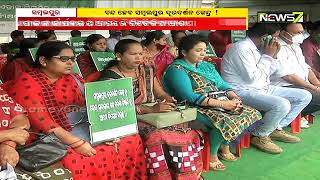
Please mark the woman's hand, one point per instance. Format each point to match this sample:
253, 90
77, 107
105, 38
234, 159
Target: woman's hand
166, 97
18, 135
163, 106
80, 146
8, 155
170, 99
239, 106
85, 149
232, 95
231, 104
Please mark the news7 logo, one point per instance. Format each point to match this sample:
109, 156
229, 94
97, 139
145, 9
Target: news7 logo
280, 17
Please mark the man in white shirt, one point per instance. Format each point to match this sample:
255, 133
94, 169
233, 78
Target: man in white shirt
293, 71
247, 66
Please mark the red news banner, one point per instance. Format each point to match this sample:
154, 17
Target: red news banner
132, 18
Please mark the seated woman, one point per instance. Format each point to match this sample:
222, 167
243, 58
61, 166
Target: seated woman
50, 87
188, 78
94, 42
13, 126
146, 90
13, 123
157, 51
21, 62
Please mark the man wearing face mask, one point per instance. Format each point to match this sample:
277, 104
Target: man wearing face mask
293, 71
247, 67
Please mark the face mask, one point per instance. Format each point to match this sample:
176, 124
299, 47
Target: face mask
298, 39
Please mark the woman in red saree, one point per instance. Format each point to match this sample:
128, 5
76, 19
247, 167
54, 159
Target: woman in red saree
45, 91
13, 125
94, 42
157, 52
163, 146
21, 63
13, 131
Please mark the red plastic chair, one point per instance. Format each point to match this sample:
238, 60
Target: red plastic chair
245, 140
244, 143
296, 125
206, 153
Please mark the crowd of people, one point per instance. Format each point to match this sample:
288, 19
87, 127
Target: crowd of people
267, 79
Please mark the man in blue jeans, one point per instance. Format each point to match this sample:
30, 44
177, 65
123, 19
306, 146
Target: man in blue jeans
247, 67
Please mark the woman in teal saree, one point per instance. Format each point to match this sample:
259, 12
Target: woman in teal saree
219, 108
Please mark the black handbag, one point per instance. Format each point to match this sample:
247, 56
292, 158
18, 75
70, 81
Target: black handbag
45, 151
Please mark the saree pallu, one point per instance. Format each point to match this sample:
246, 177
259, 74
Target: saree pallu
232, 124
173, 153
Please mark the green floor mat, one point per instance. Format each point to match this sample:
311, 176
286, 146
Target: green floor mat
298, 161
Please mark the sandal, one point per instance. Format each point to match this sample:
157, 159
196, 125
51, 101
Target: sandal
217, 166
227, 157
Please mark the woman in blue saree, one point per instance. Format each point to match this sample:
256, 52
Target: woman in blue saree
219, 108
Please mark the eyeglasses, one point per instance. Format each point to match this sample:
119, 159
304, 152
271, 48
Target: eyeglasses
66, 58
